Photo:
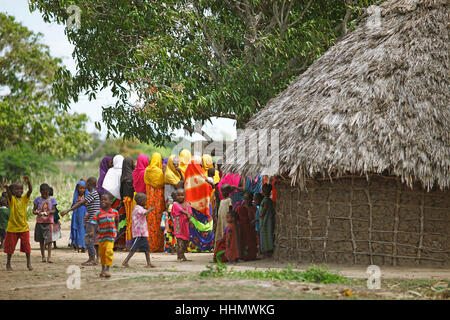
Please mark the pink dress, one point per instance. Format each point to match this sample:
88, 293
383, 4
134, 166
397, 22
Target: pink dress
181, 221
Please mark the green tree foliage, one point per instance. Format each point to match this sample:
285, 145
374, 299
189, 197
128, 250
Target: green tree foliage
22, 160
193, 60
30, 114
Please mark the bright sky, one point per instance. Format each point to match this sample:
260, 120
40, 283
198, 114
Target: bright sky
54, 37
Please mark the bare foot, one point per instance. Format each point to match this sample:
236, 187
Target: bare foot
8, 268
106, 274
43, 260
126, 265
149, 266
49, 261
29, 267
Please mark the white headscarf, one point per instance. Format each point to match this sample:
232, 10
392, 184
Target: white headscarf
112, 177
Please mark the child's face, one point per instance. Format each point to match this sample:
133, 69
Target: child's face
247, 198
179, 196
81, 189
229, 218
45, 193
18, 190
225, 191
105, 201
3, 202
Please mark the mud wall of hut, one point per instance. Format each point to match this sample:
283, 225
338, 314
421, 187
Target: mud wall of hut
358, 221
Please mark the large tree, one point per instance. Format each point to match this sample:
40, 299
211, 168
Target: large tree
193, 60
29, 111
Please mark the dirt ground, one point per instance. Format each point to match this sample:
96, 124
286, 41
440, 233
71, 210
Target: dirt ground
49, 281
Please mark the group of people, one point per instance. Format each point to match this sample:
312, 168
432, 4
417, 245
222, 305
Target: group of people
180, 204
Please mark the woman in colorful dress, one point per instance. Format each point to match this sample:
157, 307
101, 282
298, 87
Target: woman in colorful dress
154, 184
173, 179
246, 213
207, 163
127, 195
198, 194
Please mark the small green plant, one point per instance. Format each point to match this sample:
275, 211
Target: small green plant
313, 274
217, 271
321, 275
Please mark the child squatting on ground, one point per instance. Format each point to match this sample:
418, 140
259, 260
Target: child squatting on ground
139, 229
17, 224
106, 219
44, 208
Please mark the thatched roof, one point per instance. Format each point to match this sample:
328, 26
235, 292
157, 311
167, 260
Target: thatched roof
376, 102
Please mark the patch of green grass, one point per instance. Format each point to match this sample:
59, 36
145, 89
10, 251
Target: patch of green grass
139, 279
313, 274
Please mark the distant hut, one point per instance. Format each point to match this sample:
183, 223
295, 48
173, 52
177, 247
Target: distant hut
364, 159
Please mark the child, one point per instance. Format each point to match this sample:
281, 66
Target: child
4, 217
17, 224
77, 232
226, 189
44, 208
227, 248
106, 219
56, 231
181, 213
140, 229
258, 198
92, 202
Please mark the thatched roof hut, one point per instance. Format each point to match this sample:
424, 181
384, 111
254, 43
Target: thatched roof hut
365, 139
376, 102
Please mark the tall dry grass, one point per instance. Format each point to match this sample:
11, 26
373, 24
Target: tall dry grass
63, 182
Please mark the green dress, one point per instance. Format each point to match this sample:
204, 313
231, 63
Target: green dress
266, 225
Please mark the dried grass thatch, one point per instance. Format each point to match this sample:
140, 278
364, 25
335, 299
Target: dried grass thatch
376, 102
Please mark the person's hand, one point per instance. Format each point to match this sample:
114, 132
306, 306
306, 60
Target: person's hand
63, 213
26, 179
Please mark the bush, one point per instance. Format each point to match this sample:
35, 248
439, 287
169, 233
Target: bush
22, 160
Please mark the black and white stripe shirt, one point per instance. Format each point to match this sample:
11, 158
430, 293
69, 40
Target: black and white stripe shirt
92, 204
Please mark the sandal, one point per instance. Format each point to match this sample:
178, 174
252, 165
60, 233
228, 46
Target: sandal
89, 263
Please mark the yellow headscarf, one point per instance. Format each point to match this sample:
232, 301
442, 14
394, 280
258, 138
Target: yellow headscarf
154, 175
207, 163
172, 176
185, 158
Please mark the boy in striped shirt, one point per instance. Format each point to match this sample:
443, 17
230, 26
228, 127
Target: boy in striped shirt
92, 203
106, 219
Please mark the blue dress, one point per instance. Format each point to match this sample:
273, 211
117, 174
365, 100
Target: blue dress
77, 231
